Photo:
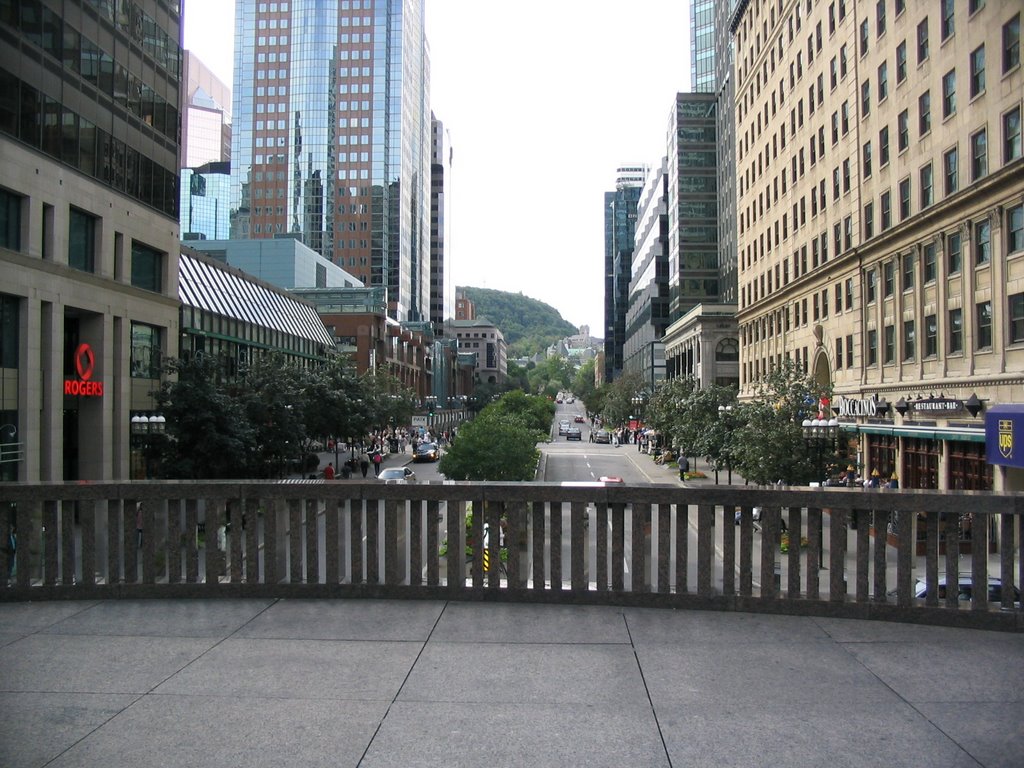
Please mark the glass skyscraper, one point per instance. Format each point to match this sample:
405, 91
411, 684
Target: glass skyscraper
702, 45
331, 137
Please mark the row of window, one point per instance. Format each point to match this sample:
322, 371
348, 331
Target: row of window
49, 126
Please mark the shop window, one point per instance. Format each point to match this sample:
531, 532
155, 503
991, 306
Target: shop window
146, 351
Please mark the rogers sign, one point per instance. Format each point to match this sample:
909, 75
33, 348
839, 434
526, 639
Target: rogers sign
85, 364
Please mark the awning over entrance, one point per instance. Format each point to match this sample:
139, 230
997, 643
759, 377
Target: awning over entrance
1004, 432
924, 433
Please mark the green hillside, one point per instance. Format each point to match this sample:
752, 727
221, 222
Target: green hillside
529, 326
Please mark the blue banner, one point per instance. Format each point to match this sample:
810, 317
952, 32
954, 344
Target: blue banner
1004, 435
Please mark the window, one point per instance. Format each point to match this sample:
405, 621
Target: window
1015, 229
928, 268
1011, 43
864, 37
833, 74
869, 220
954, 253
886, 211
867, 159
956, 331
949, 93
843, 62
844, 112
835, 184
890, 345
1016, 317
982, 243
903, 130
883, 81
865, 98
931, 336
922, 42
924, 113
10, 221
900, 6
927, 187
951, 166
883, 146
82, 241
872, 285
147, 267
973, 6
909, 340
880, 18
146, 352
1011, 135
847, 232
983, 323
872, 347
946, 27
908, 273
901, 62
849, 293
889, 277
977, 71
979, 155
839, 353
904, 191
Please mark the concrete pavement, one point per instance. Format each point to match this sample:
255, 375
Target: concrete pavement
424, 683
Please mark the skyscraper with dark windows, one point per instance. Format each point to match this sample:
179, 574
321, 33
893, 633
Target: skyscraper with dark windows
702, 45
331, 141
89, 121
619, 227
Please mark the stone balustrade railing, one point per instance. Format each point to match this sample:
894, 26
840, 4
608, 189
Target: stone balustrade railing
855, 553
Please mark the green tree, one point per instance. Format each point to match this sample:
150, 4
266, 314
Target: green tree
272, 392
618, 405
209, 434
551, 376
768, 445
536, 412
494, 446
583, 383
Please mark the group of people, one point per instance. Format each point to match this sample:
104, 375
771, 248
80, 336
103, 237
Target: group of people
851, 479
371, 451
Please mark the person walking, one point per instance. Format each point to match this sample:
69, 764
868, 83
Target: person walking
377, 459
364, 463
329, 471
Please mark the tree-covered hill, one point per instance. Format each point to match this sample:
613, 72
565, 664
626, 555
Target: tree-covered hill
529, 326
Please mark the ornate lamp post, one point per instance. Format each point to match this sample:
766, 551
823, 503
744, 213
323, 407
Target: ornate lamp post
143, 430
819, 433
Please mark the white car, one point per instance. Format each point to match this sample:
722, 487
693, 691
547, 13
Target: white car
397, 475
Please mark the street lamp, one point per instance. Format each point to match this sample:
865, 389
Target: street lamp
144, 429
819, 433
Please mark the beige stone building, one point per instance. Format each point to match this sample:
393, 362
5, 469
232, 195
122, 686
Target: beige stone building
880, 220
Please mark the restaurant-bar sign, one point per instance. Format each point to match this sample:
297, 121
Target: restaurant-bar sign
937, 405
85, 366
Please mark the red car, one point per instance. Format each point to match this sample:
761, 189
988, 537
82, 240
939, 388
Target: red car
580, 420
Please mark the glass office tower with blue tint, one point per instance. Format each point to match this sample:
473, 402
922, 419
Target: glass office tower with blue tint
619, 228
331, 137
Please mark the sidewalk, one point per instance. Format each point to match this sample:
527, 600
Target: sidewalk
268, 682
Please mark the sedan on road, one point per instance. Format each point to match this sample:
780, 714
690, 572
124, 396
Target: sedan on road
573, 433
397, 475
602, 437
427, 452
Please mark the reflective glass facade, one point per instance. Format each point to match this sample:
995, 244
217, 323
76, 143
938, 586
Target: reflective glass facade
702, 46
620, 227
331, 137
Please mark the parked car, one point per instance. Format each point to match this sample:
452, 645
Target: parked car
427, 452
603, 437
397, 475
965, 589
573, 433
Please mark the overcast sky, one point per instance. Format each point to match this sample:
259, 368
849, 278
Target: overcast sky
543, 100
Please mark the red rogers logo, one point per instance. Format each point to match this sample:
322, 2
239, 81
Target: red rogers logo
85, 364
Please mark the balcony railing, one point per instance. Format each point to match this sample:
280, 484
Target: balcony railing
650, 545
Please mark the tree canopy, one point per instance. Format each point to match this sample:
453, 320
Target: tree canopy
528, 325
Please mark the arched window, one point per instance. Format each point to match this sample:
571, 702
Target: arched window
728, 351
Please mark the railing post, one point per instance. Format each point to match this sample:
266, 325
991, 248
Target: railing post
433, 545
416, 543
705, 549
682, 548
355, 542
951, 526
979, 562
641, 521
814, 553
87, 525
312, 541
538, 513
880, 520
67, 541
556, 545
372, 541
905, 560
770, 516
795, 526
837, 556
664, 547
577, 545
863, 556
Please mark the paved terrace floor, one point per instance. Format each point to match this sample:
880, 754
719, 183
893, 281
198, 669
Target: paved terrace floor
406, 683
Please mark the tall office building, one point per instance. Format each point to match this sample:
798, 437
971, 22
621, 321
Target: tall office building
331, 137
205, 188
619, 228
89, 95
702, 46
880, 187
440, 196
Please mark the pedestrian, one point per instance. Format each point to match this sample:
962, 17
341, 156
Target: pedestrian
329, 471
894, 482
377, 459
873, 481
364, 463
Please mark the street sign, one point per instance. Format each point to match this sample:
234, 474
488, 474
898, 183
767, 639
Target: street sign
419, 421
